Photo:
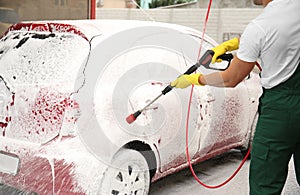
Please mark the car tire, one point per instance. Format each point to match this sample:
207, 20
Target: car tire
128, 173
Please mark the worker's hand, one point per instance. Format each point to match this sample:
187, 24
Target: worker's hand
230, 45
186, 80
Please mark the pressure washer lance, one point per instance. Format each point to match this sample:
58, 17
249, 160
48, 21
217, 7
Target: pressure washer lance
205, 61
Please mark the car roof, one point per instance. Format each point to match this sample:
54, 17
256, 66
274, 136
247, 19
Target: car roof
91, 28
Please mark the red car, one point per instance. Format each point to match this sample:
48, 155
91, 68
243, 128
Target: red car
66, 88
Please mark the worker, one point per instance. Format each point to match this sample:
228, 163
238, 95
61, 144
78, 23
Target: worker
274, 38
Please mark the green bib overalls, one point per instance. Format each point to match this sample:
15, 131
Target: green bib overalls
277, 137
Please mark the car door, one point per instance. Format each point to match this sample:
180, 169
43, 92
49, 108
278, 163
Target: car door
224, 117
142, 62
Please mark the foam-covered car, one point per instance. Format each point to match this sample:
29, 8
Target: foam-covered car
66, 88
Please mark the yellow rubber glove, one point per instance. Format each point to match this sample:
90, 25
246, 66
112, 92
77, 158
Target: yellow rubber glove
186, 80
230, 45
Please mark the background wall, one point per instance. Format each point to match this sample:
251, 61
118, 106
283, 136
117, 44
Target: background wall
223, 23
227, 3
197, 4
48, 9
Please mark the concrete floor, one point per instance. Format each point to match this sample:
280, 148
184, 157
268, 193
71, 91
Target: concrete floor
214, 172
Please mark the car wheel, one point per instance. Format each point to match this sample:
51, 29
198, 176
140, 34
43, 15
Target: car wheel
127, 174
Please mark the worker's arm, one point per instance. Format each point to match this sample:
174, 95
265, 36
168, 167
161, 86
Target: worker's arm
232, 76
